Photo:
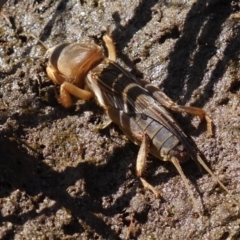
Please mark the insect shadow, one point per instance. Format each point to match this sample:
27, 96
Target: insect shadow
195, 48
27, 173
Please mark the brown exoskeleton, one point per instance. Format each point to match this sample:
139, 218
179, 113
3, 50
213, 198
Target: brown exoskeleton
140, 109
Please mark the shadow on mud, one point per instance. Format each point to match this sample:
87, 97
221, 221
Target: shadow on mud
194, 49
24, 172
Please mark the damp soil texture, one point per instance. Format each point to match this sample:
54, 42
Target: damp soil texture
62, 178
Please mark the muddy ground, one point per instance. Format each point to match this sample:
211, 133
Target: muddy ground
61, 178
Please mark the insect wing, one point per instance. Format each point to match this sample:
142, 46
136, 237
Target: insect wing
120, 92
116, 88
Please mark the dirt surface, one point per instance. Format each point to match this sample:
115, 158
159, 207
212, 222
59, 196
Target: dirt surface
60, 178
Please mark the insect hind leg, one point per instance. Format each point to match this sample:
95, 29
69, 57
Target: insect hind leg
167, 102
197, 112
142, 162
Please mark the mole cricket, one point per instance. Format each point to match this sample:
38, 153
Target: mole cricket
140, 109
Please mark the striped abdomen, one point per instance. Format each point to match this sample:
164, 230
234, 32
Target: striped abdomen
164, 143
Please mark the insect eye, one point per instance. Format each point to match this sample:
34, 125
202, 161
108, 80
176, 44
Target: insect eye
144, 116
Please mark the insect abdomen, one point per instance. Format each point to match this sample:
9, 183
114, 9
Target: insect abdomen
164, 143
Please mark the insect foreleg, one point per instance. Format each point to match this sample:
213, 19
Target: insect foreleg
110, 47
67, 89
165, 101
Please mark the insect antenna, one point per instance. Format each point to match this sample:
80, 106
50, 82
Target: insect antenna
175, 162
202, 163
196, 157
36, 38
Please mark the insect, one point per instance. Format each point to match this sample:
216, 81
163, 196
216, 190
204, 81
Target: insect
140, 109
